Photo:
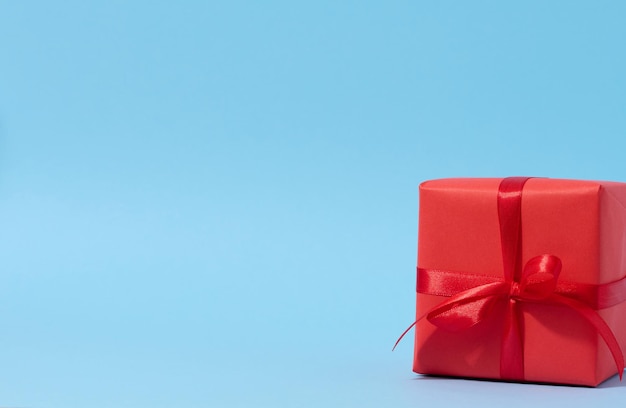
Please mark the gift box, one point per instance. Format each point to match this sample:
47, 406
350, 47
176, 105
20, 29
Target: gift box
521, 279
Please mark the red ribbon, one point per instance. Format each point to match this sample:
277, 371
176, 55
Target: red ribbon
472, 297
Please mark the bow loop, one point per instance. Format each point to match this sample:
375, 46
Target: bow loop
467, 308
539, 278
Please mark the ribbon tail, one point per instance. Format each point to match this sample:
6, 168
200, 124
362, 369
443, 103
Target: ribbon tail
403, 334
407, 330
600, 325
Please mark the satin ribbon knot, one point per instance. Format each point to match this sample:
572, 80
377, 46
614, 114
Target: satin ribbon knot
515, 291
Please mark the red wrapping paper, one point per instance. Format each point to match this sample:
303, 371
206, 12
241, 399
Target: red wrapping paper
583, 223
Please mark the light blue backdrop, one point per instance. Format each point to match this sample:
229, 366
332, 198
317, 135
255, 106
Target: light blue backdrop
215, 204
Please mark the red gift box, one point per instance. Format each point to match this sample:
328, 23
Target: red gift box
521, 279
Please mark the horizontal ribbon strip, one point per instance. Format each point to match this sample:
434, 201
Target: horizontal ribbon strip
448, 283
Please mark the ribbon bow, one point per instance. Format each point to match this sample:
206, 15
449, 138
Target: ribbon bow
470, 307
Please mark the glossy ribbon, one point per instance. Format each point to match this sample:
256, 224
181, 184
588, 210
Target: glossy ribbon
473, 297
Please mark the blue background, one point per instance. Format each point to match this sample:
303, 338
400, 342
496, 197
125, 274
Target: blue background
209, 204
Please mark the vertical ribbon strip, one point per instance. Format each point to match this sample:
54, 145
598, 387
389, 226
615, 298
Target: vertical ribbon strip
510, 217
